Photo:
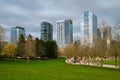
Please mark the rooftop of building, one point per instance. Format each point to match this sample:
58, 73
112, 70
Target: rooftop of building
17, 27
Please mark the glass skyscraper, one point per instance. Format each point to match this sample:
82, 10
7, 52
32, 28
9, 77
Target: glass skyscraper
15, 33
64, 32
88, 28
106, 36
46, 31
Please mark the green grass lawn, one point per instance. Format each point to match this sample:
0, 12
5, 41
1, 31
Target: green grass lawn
110, 62
55, 69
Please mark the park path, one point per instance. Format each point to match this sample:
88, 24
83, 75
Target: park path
93, 64
110, 66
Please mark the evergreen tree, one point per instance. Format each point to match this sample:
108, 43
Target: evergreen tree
37, 47
41, 48
21, 46
51, 49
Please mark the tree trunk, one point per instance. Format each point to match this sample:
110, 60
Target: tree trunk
101, 62
15, 57
28, 59
116, 61
119, 63
88, 60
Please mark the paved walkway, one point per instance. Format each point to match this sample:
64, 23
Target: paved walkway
91, 64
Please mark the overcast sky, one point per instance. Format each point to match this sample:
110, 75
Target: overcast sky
30, 13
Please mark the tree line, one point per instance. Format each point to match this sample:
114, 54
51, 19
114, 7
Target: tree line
30, 48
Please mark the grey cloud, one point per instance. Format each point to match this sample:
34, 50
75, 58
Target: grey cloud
30, 13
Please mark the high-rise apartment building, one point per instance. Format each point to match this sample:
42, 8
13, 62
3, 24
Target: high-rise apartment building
64, 32
15, 33
88, 28
46, 31
106, 36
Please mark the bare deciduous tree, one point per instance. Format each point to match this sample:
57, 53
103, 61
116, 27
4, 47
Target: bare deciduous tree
29, 48
1, 38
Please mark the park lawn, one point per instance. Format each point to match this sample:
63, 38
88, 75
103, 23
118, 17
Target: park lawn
110, 62
54, 69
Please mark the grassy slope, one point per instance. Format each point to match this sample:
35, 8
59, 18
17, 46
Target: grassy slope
54, 70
